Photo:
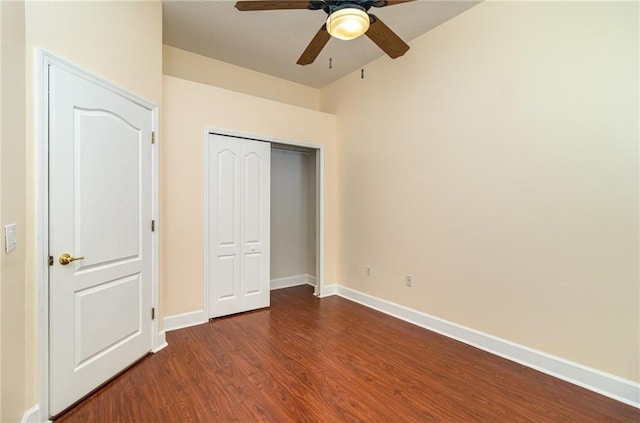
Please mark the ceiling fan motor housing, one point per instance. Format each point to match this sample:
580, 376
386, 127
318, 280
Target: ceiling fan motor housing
330, 6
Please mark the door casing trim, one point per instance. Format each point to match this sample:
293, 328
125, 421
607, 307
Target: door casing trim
43, 60
320, 160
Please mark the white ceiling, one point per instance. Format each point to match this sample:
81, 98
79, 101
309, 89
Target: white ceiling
272, 41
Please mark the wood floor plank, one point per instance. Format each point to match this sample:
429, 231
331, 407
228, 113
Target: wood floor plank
331, 360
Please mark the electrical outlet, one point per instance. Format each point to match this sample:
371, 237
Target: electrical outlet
367, 270
408, 280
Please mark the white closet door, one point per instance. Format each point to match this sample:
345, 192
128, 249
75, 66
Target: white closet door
238, 201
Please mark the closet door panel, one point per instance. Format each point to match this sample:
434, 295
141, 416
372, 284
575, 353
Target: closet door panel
227, 277
252, 266
252, 197
237, 238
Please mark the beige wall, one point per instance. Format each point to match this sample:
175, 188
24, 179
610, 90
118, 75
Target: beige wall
194, 67
12, 210
189, 107
118, 41
497, 163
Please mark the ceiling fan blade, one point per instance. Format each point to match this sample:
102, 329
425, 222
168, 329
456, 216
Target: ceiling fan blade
385, 38
246, 6
383, 3
315, 46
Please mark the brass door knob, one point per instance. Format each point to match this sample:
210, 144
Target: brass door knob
67, 258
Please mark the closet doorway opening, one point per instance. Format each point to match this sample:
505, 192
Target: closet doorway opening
243, 263
294, 217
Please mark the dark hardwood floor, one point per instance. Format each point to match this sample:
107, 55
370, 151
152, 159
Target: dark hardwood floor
331, 360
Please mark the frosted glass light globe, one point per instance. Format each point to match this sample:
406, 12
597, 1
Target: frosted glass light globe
348, 23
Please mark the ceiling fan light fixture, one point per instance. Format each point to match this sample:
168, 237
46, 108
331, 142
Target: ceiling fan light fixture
348, 22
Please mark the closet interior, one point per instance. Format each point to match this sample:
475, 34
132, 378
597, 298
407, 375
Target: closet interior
293, 216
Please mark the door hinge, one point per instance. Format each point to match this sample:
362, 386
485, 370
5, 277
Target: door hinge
50, 260
153, 137
153, 313
153, 226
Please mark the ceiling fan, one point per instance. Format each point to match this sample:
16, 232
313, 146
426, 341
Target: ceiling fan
346, 19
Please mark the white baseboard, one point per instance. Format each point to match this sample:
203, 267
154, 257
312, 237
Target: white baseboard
329, 290
162, 342
291, 281
595, 380
32, 415
184, 320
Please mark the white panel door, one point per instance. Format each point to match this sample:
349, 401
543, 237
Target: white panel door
100, 206
238, 179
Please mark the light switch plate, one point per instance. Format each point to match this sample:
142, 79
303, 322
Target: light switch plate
10, 238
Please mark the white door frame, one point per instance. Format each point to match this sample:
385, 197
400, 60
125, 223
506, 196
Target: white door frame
43, 60
319, 291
